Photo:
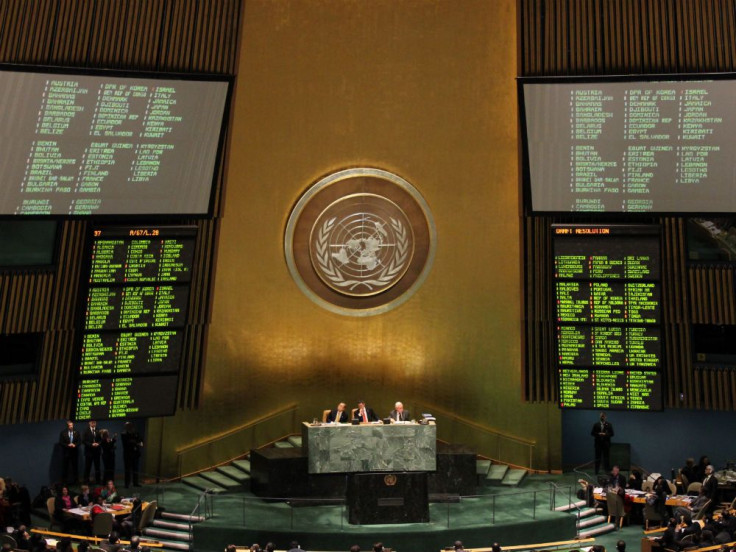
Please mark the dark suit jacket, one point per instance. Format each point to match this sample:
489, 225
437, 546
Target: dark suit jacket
607, 430
64, 441
710, 487
332, 416
88, 438
369, 412
621, 481
405, 415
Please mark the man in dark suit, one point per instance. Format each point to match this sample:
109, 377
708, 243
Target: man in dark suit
710, 486
617, 479
398, 414
602, 432
69, 441
365, 413
338, 415
92, 451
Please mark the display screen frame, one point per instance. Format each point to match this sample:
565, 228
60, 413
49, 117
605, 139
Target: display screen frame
528, 203
634, 231
135, 217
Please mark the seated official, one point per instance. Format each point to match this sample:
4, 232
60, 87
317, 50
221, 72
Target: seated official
338, 415
365, 413
694, 508
109, 493
616, 481
398, 414
84, 498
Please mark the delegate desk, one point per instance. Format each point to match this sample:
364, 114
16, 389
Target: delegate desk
372, 447
639, 497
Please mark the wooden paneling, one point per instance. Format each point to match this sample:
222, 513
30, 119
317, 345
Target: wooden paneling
610, 37
187, 36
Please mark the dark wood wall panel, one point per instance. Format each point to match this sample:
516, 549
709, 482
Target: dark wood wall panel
186, 36
610, 37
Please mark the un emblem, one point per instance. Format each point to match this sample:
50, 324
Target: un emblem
360, 241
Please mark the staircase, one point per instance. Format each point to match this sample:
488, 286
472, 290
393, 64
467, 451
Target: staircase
498, 474
590, 521
228, 477
172, 531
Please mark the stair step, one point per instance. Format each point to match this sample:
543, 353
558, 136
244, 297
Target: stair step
202, 484
283, 444
513, 477
169, 545
590, 521
235, 473
482, 467
181, 517
587, 512
295, 440
167, 534
570, 506
242, 465
496, 473
170, 525
597, 530
220, 479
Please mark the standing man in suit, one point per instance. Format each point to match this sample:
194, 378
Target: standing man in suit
602, 432
338, 415
69, 441
92, 451
365, 413
710, 486
398, 414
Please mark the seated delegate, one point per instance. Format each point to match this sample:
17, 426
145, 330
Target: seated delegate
338, 415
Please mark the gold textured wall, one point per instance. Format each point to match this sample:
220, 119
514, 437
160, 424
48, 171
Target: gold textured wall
424, 89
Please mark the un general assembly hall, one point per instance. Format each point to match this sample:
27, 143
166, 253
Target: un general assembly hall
343, 275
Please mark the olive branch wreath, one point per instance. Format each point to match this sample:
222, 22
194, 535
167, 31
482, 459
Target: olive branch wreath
387, 274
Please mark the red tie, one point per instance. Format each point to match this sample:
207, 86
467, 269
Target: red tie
365, 416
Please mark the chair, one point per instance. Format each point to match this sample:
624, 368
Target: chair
325, 413
651, 514
615, 503
704, 510
147, 515
51, 507
684, 482
646, 486
672, 486
694, 487
7, 539
353, 413
102, 525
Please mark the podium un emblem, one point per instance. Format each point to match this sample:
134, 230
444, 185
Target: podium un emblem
360, 241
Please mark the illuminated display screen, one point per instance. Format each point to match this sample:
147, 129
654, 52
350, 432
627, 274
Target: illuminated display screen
608, 311
608, 302
109, 143
142, 255
135, 315
124, 308
141, 352
610, 389
618, 145
599, 346
126, 397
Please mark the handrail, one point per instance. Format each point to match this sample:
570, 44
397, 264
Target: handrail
233, 431
231, 440
556, 544
194, 513
484, 429
152, 544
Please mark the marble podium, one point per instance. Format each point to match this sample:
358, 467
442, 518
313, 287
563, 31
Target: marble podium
345, 448
377, 498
